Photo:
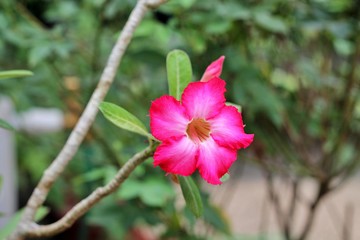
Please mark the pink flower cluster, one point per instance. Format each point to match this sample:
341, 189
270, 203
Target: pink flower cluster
200, 131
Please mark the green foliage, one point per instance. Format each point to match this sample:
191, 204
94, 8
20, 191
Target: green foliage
214, 217
15, 74
123, 119
191, 195
270, 23
234, 105
6, 125
225, 177
153, 192
179, 72
288, 65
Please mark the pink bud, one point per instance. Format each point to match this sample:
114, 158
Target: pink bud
213, 70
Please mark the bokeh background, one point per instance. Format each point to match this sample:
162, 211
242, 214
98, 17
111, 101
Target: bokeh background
291, 64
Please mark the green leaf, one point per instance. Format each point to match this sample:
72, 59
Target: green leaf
225, 177
281, 78
343, 46
234, 105
13, 222
191, 195
90, 176
156, 192
123, 119
130, 189
41, 213
179, 72
11, 225
39, 53
153, 192
215, 217
271, 23
6, 125
15, 74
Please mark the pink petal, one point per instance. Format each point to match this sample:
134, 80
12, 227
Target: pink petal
213, 70
227, 129
177, 156
214, 161
167, 118
204, 99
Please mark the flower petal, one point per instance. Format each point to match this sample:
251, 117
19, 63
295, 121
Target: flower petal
177, 156
227, 129
213, 70
204, 99
167, 118
214, 161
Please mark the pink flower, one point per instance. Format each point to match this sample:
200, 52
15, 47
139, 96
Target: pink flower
200, 131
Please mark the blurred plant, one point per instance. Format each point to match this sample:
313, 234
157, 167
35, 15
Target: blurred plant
296, 68
294, 64
12, 74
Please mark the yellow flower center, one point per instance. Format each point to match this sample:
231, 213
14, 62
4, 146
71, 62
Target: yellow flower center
198, 130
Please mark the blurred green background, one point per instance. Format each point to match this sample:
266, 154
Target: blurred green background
290, 64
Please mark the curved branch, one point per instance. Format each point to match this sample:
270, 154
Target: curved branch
87, 118
35, 230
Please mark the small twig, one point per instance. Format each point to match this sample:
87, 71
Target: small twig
291, 211
264, 220
334, 217
275, 200
348, 221
29, 16
323, 190
348, 107
35, 230
86, 120
113, 156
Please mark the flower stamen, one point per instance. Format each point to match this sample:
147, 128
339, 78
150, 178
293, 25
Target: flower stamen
198, 130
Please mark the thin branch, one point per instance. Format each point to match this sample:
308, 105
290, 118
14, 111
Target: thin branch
264, 221
348, 221
97, 37
323, 190
87, 118
291, 210
275, 200
35, 230
29, 16
334, 217
348, 107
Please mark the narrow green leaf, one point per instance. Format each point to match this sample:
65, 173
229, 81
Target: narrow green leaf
225, 177
6, 125
234, 105
13, 222
11, 225
123, 119
191, 195
15, 74
179, 72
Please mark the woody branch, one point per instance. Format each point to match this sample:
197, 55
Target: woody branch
86, 120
